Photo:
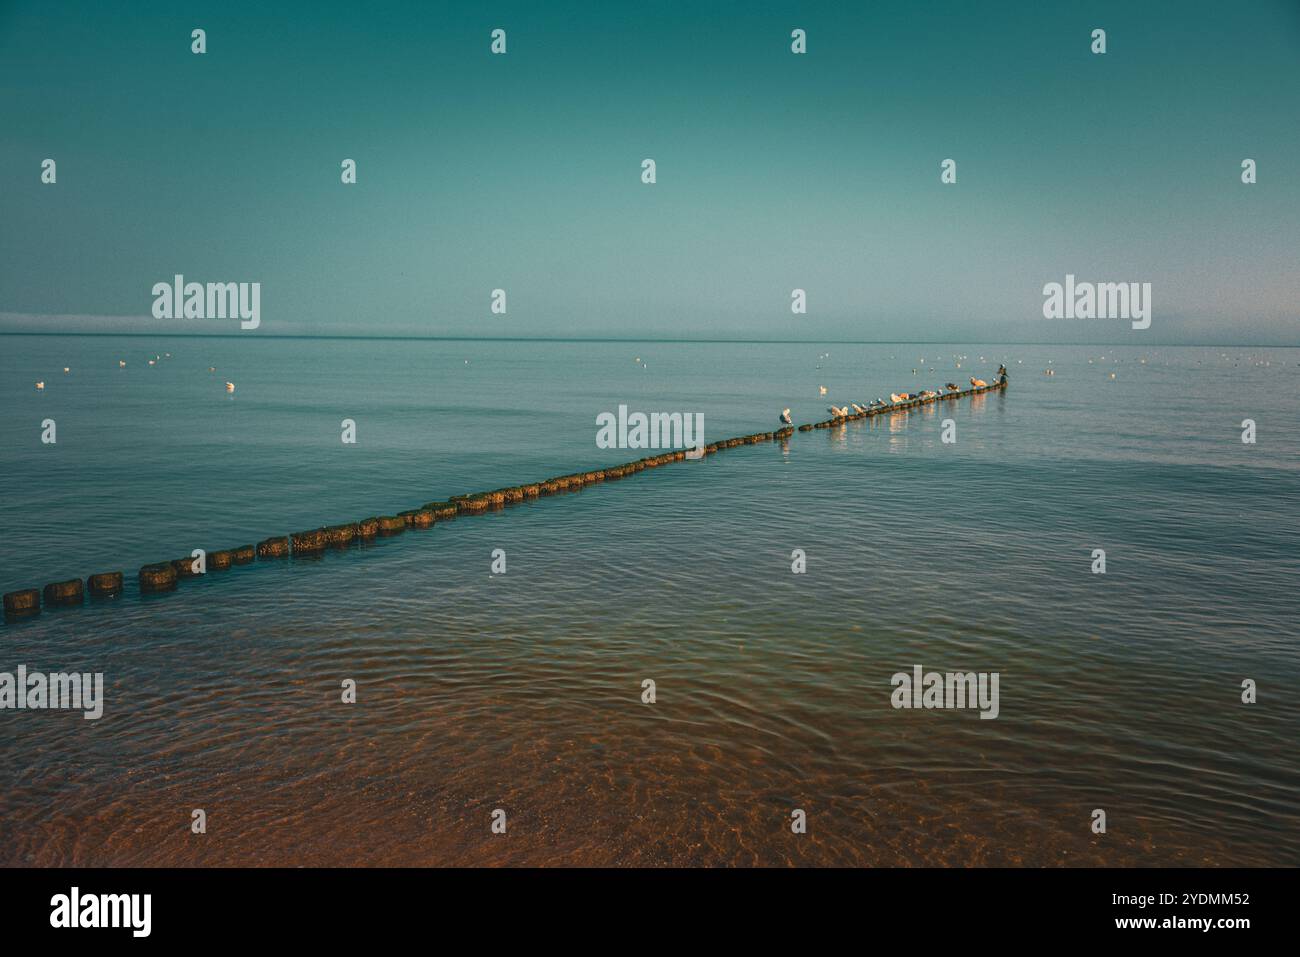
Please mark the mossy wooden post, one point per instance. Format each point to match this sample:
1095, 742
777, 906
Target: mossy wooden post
159, 577
391, 525
22, 603
342, 536
273, 548
70, 592
104, 584
311, 542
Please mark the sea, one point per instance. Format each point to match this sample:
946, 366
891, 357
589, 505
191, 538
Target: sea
676, 668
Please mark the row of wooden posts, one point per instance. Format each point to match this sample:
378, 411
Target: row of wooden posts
165, 576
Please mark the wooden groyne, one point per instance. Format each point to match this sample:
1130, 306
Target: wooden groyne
161, 577
886, 409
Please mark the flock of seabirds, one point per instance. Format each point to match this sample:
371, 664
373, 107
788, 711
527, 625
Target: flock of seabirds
895, 398
839, 412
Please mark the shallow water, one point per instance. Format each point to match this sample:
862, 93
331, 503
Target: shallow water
523, 691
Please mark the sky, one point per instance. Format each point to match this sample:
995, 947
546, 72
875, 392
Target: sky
775, 171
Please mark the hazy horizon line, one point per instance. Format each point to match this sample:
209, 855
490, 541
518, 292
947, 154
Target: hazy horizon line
643, 339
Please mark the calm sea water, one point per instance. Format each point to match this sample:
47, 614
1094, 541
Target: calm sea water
523, 691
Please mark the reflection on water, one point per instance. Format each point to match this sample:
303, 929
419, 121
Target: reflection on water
523, 691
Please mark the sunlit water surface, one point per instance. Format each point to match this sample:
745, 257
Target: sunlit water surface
523, 691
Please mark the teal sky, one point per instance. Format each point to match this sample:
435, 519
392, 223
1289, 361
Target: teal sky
775, 171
